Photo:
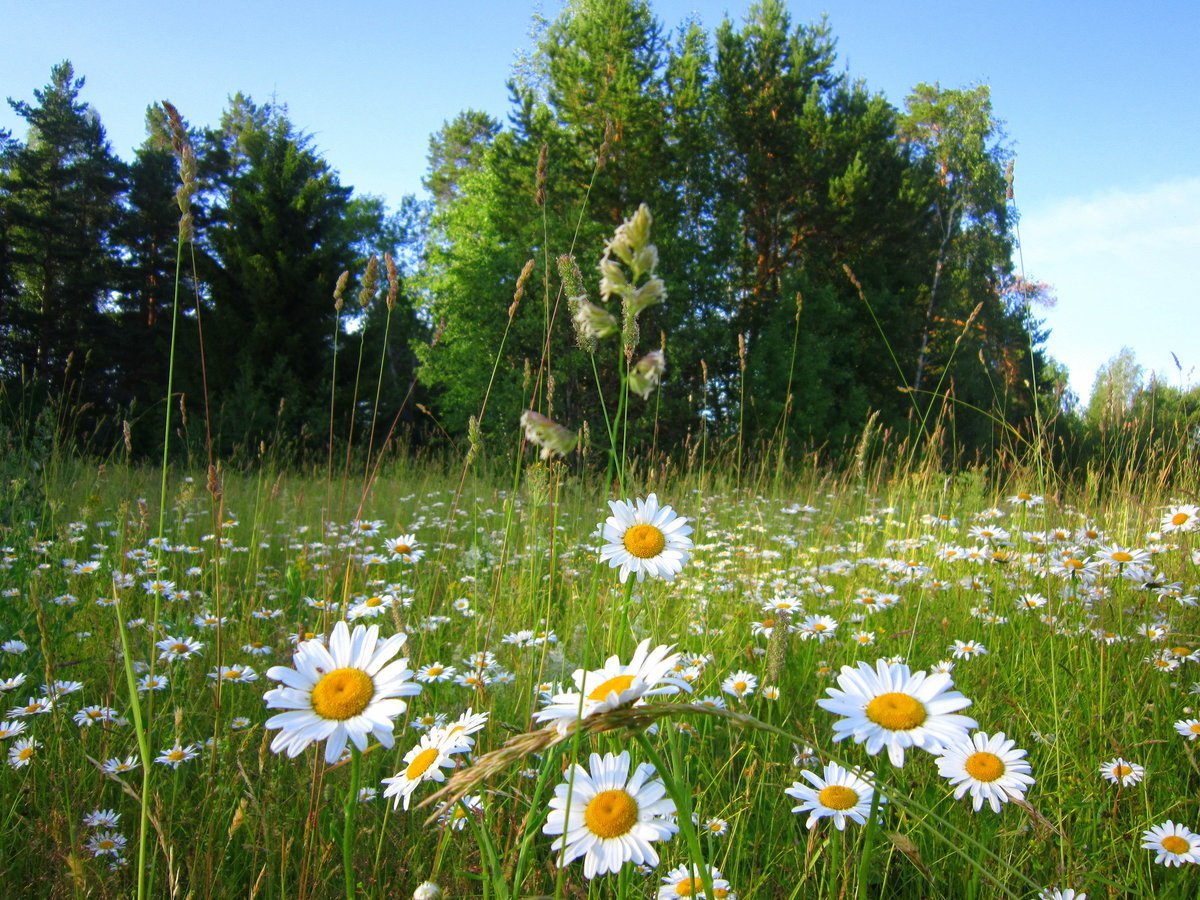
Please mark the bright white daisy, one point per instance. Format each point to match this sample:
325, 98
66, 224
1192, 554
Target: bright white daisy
608, 816
424, 762
740, 684
989, 768
405, 548
1061, 894
1188, 728
645, 539
687, 881
1181, 518
1122, 772
889, 706
346, 692
1174, 844
840, 794
649, 673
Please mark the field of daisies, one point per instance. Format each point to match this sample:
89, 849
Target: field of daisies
820, 688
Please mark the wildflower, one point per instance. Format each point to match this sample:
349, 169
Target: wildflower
35, 707
547, 434
424, 762
1189, 728
347, 691
1185, 517
174, 648
115, 765
687, 881
645, 539
233, 675
22, 751
90, 715
152, 683
819, 627
1061, 894
889, 706
967, 649
405, 548
740, 684
370, 607
11, 728
647, 373
840, 794
177, 755
102, 818
608, 816
1026, 499
1122, 772
615, 685
986, 767
716, 827
456, 817
435, 672
106, 843
427, 890
1174, 844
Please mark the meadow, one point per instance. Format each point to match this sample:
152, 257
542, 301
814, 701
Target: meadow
1068, 621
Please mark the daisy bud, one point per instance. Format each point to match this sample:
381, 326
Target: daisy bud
547, 434
646, 374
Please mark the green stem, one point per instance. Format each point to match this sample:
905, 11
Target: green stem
348, 824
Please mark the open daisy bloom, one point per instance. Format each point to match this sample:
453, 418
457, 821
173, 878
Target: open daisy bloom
1174, 844
687, 881
608, 816
646, 539
889, 706
987, 767
615, 685
840, 795
346, 691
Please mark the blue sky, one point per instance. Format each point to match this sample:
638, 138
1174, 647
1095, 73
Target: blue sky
1100, 102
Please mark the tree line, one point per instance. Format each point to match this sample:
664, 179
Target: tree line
827, 257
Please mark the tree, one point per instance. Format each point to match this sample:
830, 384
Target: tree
1117, 385
59, 194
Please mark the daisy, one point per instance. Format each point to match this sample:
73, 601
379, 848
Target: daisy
456, 817
648, 674
740, 684
967, 649
11, 728
436, 672
348, 691
22, 751
645, 539
687, 881
889, 706
716, 827
233, 674
841, 794
1174, 844
35, 707
1061, 894
1181, 518
102, 818
608, 816
1188, 728
1122, 772
176, 756
115, 765
819, 627
424, 762
405, 548
106, 843
370, 607
986, 767
174, 648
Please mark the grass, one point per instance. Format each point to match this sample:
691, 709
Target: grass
239, 820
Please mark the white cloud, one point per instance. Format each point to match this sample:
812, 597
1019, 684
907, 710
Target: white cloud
1124, 265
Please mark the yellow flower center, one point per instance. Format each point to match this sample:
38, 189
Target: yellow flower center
688, 887
1024, 495
232, 673
176, 755
421, 763
896, 711
435, 670
768, 623
1173, 843
838, 796
614, 685
1181, 651
25, 753
1072, 563
402, 549
1194, 728
644, 541
611, 814
374, 601
1120, 556
106, 844
342, 693
740, 687
1180, 518
984, 766
180, 648
1121, 770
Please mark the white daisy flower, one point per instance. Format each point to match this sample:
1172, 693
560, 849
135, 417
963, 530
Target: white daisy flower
649, 673
989, 768
1188, 728
348, 691
1122, 772
106, 843
740, 684
424, 762
608, 816
687, 881
1174, 844
405, 548
889, 706
645, 539
22, 751
840, 795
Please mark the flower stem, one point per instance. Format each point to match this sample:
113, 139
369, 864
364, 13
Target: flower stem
348, 823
